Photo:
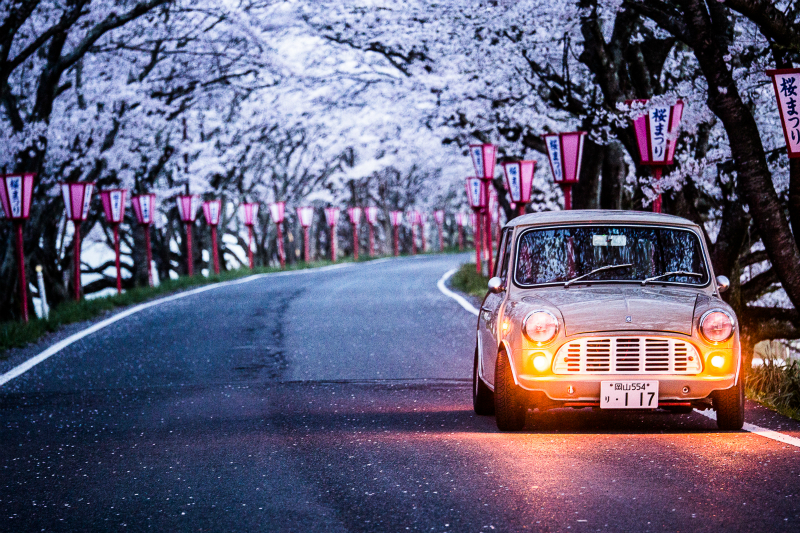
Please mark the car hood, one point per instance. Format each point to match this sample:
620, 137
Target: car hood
596, 309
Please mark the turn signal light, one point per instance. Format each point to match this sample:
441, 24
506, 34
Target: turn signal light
540, 362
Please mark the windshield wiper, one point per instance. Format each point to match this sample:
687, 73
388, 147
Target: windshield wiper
674, 273
596, 270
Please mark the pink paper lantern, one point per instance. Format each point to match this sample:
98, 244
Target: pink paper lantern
332, 216
305, 215
277, 211
354, 214
143, 207
211, 211
371, 214
16, 193
114, 205
786, 83
396, 218
77, 200
477, 193
519, 181
438, 215
483, 159
248, 212
187, 207
565, 153
656, 133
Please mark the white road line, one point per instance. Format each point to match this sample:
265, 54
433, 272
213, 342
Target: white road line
752, 428
457, 297
54, 349
758, 430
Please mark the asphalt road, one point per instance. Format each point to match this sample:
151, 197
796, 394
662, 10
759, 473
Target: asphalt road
340, 401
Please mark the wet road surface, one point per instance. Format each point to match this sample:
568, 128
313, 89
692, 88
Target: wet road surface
340, 400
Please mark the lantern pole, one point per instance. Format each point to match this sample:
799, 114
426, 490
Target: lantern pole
116, 254
76, 252
214, 251
333, 243
306, 247
250, 245
355, 242
414, 237
460, 237
396, 240
567, 188
23, 284
371, 241
477, 236
441, 237
422, 235
488, 243
657, 202
281, 252
149, 253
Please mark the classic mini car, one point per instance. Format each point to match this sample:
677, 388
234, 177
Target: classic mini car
610, 310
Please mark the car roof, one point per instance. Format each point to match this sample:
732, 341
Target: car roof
588, 216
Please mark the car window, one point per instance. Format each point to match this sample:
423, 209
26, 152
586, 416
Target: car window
506, 248
560, 254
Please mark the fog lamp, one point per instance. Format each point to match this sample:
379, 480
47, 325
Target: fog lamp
717, 361
540, 362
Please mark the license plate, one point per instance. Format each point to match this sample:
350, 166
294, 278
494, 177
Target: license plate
628, 394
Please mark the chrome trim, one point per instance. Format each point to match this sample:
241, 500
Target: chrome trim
525, 324
634, 354
703, 318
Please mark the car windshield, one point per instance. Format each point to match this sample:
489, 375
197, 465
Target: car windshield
562, 254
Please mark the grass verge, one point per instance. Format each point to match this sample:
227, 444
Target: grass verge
469, 281
775, 384
19, 334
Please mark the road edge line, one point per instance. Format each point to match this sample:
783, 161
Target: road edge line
457, 297
57, 347
758, 430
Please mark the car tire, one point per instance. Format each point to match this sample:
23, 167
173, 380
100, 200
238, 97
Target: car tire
482, 395
729, 405
509, 403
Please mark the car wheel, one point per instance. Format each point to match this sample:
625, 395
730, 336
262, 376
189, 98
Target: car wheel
729, 405
482, 396
509, 403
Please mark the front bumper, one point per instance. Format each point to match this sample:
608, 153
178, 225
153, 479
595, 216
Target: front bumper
586, 387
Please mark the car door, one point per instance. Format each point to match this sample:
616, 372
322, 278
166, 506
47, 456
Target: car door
491, 310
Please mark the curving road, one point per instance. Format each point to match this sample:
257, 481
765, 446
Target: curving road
339, 400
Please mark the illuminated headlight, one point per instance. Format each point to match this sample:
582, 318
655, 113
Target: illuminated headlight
716, 326
540, 327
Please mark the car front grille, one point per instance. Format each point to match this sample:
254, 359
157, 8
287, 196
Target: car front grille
627, 355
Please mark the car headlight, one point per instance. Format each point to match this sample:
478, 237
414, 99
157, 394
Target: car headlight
540, 327
716, 326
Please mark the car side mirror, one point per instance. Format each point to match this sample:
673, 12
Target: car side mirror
723, 284
496, 285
